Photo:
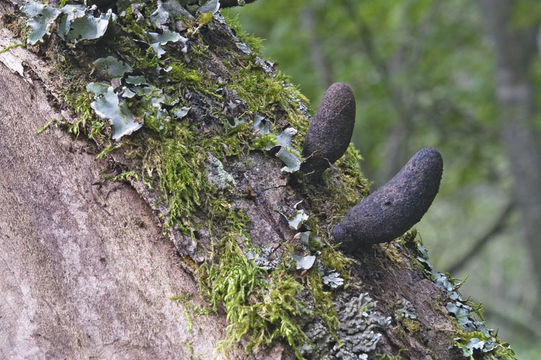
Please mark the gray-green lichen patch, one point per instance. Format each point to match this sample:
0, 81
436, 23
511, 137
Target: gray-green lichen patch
475, 340
107, 106
216, 174
279, 144
303, 262
77, 22
297, 219
210, 6
81, 24
157, 40
113, 67
360, 330
41, 17
407, 310
332, 278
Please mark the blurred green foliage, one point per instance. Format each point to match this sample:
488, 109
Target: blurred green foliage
423, 68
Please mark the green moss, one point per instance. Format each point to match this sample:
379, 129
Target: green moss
178, 74
253, 42
190, 309
335, 259
259, 305
78, 99
46, 126
16, 24
323, 304
125, 176
12, 46
410, 324
257, 89
177, 162
352, 175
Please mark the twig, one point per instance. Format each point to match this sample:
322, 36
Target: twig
499, 225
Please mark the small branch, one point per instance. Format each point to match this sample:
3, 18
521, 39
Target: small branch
232, 3
499, 225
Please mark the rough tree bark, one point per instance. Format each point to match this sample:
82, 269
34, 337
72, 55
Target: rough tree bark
87, 271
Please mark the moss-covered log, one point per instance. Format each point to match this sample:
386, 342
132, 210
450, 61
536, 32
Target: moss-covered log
206, 159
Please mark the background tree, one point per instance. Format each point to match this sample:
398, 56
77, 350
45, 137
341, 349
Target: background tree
424, 73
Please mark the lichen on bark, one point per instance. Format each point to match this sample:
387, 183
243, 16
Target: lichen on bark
198, 97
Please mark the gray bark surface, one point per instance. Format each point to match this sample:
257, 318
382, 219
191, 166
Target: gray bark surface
86, 271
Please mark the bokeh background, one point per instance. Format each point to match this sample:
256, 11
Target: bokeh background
462, 76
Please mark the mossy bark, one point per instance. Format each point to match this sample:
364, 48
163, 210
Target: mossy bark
91, 263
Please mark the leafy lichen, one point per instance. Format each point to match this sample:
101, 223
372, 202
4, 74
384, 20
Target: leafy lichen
474, 338
193, 115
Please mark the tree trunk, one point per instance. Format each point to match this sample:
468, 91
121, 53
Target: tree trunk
515, 49
87, 269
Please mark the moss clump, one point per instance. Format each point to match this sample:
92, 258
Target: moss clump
410, 324
253, 42
174, 160
260, 305
171, 155
180, 75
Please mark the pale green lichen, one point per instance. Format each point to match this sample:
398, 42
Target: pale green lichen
475, 339
265, 300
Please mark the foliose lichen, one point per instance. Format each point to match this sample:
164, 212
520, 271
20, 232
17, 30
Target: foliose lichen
361, 324
475, 340
148, 87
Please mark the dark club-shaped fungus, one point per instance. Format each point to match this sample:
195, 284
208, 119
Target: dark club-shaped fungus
396, 206
331, 128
